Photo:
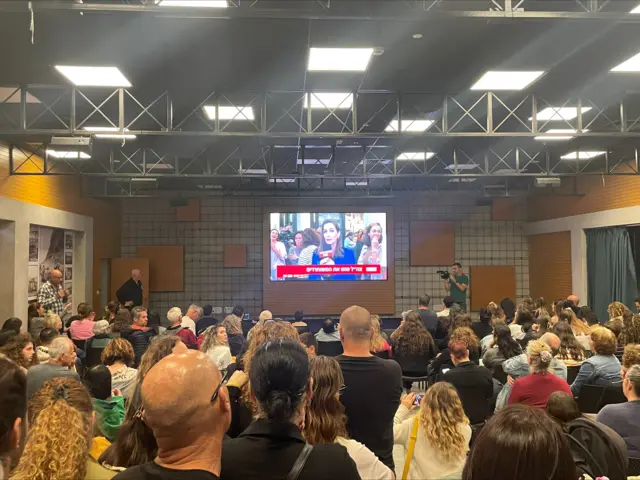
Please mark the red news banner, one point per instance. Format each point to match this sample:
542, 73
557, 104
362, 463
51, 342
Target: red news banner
289, 271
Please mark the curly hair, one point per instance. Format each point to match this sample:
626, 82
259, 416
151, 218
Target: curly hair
604, 341
631, 356
58, 443
465, 336
411, 338
325, 419
50, 320
570, 348
377, 342
441, 414
13, 350
630, 329
118, 350
616, 309
232, 324
210, 338
121, 321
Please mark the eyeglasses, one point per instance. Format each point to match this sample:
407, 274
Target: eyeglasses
342, 389
225, 377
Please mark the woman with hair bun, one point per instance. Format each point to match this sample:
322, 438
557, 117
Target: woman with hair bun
273, 443
534, 390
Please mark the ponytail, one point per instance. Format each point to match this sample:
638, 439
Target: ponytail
278, 406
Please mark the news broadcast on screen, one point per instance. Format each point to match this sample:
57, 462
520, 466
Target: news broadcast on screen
315, 246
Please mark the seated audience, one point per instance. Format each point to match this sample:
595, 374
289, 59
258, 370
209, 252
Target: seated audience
121, 322
310, 344
177, 327
509, 309
135, 443
82, 329
299, 323
379, 346
188, 419
118, 356
497, 318
62, 359
616, 327
20, 349
206, 321
35, 319
139, 335
504, 347
325, 421
571, 352
446, 325
265, 316
60, 431
523, 317
216, 346
413, 347
269, 447
46, 337
520, 443
446, 305
13, 415
483, 327
624, 418
534, 389
630, 329
370, 377
462, 335
542, 325
429, 319
14, 324
96, 344
603, 367
579, 328
441, 431
110, 311
155, 324
328, 332
518, 366
108, 403
5, 335
189, 319
541, 307
473, 383
232, 324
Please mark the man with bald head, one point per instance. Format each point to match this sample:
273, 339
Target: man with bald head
188, 418
130, 293
52, 295
518, 366
574, 299
372, 385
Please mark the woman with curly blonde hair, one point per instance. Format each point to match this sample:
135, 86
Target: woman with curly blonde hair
443, 432
325, 421
216, 345
378, 344
58, 443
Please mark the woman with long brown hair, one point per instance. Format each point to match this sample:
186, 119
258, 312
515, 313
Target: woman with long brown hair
21, 349
578, 327
441, 429
325, 421
58, 443
571, 352
412, 346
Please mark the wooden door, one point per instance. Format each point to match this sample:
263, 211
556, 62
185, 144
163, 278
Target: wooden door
121, 272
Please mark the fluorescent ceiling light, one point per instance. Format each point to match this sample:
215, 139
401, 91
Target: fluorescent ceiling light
559, 113
505, 80
507, 171
636, 10
409, 125
362, 183
12, 95
144, 179
462, 166
375, 161
570, 133
339, 59
313, 161
462, 180
630, 66
103, 132
229, 112
254, 171
584, 155
68, 155
333, 101
194, 3
415, 156
94, 76
282, 180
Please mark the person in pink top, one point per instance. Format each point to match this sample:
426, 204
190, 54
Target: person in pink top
83, 329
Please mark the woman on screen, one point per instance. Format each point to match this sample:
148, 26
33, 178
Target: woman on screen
332, 252
278, 253
373, 251
296, 250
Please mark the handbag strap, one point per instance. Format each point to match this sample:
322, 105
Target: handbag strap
300, 462
412, 445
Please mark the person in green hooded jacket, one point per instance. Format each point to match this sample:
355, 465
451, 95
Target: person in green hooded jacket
108, 404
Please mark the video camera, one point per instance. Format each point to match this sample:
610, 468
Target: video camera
444, 274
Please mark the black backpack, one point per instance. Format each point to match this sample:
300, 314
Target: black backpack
595, 452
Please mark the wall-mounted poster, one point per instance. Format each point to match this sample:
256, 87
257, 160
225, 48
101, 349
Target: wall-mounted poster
51, 254
68, 258
68, 273
33, 243
68, 241
33, 282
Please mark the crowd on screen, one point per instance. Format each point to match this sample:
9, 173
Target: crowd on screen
127, 394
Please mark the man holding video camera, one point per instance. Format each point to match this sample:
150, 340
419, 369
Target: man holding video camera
456, 285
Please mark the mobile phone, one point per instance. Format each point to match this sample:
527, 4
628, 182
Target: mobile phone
246, 317
445, 370
418, 399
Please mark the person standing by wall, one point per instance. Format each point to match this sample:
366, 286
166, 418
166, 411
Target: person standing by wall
52, 295
130, 292
457, 285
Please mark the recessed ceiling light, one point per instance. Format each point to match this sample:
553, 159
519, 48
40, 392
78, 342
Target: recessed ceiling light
583, 155
417, 35
636, 10
254, 171
409, 125
462, 166
415, 156
339, 59
103, 132
194, 3
229, 112
570, 133
314, 161
68, 155
506, 80
94, 76
629, 66
462, 180
332, 101
559, 113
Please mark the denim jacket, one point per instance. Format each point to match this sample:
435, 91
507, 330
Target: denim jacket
597, 370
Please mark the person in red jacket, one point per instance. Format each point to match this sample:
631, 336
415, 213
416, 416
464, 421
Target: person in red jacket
174, 316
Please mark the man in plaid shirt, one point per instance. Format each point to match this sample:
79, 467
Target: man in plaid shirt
52, 295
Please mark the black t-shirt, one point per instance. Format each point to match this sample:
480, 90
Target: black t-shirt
371, 398
153, 471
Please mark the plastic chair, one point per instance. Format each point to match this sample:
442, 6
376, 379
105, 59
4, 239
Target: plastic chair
422, 381
330, 349
589, 398
572, 373
612, 395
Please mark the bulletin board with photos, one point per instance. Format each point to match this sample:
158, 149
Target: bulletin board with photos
49, 248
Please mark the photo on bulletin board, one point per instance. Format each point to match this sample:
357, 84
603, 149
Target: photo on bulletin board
33, 281
68, 258
51, 251
69, 286
68, 273
34, 232
68, 241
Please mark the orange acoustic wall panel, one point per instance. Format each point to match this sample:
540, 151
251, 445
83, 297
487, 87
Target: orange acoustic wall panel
431, 243
166, 267
550, 265
189, 213
491, 284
